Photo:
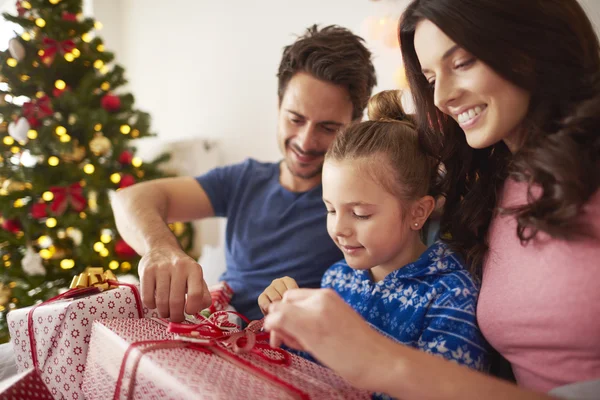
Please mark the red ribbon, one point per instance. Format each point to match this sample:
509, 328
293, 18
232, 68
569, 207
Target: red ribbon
40, 108
217, 329
54, 46
71, 294
63, 196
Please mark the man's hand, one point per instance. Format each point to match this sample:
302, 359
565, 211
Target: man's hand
275, 292
166, 275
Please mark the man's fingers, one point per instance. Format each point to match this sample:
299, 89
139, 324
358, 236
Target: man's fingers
163, 285
206, 297
197, 292
148, 286
177, 295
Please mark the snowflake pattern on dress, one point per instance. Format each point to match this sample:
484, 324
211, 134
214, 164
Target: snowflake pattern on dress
429, 305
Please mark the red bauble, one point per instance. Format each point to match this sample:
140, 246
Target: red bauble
111, 103
66, 16
57, 92
11, 225
38, 211
122, 249
126, 181
126, 157
33, 122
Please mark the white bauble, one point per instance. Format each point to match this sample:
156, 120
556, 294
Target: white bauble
16, 49
32, 263
18, 130
76, 235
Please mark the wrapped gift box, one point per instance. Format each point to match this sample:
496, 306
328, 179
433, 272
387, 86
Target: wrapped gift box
61, 335
27, 385
156, 367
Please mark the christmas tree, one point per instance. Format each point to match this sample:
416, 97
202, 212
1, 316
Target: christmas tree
66, 146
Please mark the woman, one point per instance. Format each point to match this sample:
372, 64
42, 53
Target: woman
508, 97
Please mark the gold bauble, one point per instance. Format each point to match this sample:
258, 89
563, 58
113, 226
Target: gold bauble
100, 145
76, 155
5, 294
10, 186
58, 254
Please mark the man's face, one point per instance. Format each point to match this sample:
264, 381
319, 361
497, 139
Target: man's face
311, 113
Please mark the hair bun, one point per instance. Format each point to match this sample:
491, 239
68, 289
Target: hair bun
386, 106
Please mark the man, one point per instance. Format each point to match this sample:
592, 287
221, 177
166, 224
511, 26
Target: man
276, 220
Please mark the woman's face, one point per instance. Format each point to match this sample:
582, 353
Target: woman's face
486, 106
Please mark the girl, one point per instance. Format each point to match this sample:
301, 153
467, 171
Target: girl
376, 184
508, 97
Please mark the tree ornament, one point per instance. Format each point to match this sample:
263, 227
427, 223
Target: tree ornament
11, 225
20, 9
53, 47
37, 109
67, 195
126, 157
76, 155
126, 181
18, 130
111, 103
5, 294
56, 92
38, 211
59, 254
100, 145
32, 263
16, 49
76, 235
67, 16
11, 186
123, 250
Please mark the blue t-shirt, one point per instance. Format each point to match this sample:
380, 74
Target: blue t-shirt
429, 304
271, 232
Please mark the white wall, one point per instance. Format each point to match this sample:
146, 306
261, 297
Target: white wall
207, 68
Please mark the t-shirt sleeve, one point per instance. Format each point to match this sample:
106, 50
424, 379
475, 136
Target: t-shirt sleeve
220, 184
450, 328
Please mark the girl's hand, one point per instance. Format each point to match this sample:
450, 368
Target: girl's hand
320, 322
275, 292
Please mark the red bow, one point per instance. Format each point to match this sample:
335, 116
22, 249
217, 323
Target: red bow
218, 329
63, 196
53, 46
37, 109
20, 9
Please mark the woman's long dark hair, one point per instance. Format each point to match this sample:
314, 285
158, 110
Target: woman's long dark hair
549, 48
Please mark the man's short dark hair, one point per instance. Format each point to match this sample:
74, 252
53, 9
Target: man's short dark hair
332, 54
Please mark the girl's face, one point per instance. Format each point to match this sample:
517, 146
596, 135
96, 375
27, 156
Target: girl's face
363, 219
486, 106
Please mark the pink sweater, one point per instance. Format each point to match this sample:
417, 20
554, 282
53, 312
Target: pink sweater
539, 304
